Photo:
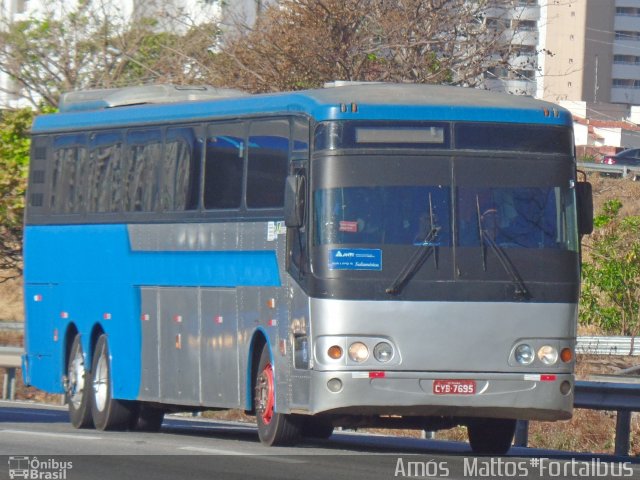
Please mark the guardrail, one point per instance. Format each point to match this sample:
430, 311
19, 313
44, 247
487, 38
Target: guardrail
623, 170
10, 359
608, 345
624, 398
11, 326
615, 393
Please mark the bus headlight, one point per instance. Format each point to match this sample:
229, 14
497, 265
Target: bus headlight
548, 355
358, 352
523, 354
383, 352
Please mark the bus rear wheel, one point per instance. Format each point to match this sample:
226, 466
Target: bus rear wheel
108, 413
274, 429
78, 387
491, 436
147, 418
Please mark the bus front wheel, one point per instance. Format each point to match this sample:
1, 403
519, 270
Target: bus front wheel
108, 413
273, 428
78, 387
313, 427
491, 436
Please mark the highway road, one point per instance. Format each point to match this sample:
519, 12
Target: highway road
37, 441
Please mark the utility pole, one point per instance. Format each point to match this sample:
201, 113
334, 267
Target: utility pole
595, 86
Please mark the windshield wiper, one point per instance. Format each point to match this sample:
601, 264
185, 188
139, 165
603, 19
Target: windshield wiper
521, 290
426, 247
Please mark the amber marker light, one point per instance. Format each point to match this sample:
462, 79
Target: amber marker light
566, 355
335, 352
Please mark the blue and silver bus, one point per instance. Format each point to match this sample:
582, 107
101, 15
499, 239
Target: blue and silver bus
368, 255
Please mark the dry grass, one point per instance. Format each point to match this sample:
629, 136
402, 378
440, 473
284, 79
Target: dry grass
11, 307
11, 338
625, 190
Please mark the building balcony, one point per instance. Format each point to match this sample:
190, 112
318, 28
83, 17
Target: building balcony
625, 95
524, 61
623, 70
518, 13
627, 3
626, 23
511, 86
626, 47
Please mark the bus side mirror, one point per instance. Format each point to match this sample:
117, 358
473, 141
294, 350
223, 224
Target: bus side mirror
294, 195
584, 200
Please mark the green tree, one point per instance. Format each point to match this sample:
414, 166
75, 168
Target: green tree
14, 160
610, 295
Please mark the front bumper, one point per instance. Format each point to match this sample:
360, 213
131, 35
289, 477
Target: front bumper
498, 395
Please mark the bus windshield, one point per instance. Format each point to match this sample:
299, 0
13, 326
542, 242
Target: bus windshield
514, 217
400, 215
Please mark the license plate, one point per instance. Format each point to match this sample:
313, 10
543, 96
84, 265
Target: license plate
454, 387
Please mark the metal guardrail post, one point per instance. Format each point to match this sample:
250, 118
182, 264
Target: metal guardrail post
623, 433
522, 433
9, 385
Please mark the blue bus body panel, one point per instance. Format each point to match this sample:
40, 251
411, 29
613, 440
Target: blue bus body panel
381, 102
74, 284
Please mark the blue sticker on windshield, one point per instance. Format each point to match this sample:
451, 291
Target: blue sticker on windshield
355, 259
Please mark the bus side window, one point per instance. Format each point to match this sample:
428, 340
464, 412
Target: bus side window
180, 170
69, 178
300, 130
105, 172
224, 165
140, 185
268, 163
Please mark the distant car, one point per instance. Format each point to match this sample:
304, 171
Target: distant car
630, 158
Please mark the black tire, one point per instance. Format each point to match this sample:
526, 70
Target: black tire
274, 429
313, 427
78, 387
147, 418
491, 436
108, 413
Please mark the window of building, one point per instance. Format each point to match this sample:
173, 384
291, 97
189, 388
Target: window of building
626, 59
21, 6
627, 35
524, 25
628, 11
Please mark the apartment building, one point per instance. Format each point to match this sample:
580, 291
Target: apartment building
594, 50
518, 20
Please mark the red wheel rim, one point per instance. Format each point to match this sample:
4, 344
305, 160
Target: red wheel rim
266, 394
